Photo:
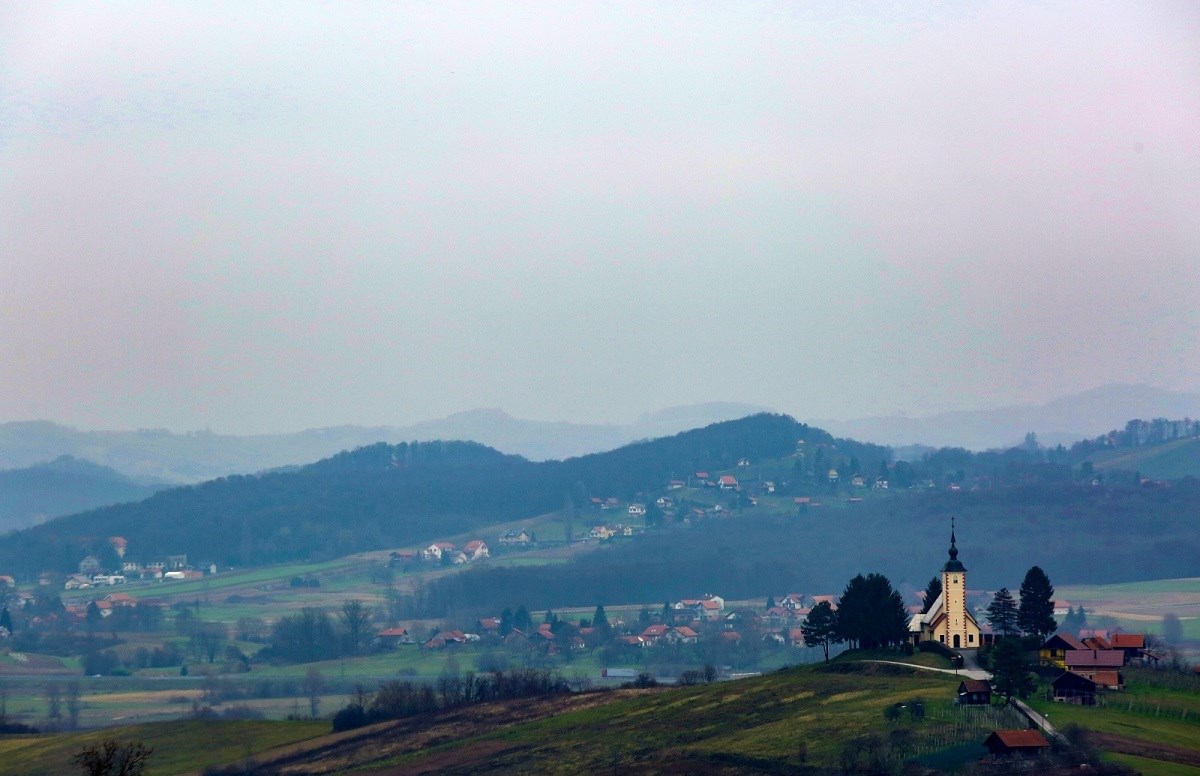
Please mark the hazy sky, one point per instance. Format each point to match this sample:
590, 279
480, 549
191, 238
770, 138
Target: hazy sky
273, 216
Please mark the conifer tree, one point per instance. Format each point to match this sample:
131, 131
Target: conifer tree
1035, 615
932, 591
1002, 613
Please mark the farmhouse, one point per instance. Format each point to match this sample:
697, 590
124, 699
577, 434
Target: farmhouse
1054, 650
1009, 742
974, 692
949, 621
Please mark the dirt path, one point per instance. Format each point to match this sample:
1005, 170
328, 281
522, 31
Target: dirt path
1110, 742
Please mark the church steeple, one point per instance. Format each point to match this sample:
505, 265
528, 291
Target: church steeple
954, 564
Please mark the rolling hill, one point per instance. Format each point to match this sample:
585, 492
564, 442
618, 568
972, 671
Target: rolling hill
1170, 460
388, 495
61, 487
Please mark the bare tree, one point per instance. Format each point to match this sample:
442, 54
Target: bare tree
73, 704
356, 621
312, 684
53, 704
112, 758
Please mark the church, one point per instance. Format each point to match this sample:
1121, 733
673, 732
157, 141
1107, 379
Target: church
948, 621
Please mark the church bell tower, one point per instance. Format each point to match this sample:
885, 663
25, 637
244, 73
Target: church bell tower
960, 628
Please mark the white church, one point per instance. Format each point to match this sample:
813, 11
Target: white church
948, 621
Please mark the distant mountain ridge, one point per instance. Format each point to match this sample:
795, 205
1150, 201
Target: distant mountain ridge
201, 455
61, 487
1061, 421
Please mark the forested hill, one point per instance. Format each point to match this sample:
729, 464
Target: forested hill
61, 487
392, 495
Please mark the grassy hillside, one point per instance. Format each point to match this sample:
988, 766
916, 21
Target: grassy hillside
784, 722
179, 747
1171, 460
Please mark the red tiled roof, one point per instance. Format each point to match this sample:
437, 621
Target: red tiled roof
1094, 658
1020, 739
1107, 678
686, 632
1067, 639
1128, 641
975, 685
393, 632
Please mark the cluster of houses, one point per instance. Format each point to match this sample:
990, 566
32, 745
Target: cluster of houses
1092, 662
92, 574
442, 552
686, 621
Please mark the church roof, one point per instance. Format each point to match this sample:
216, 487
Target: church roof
954, 564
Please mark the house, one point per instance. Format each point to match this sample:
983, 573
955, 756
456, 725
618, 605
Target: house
1070, 687
401, 558
1091, 662
1054, 650
436, 550
631, 641
1003, 743
489, 626
727, 482
974, 692
653, 633
743, 463
858, 481
390, 638
476, 550
769, 486
685, 635
516, 538
601, 532
675, 485
177, 562
662, 502
1096, 642
949, 621
637, 510
1132, 644
702, 476
77, 582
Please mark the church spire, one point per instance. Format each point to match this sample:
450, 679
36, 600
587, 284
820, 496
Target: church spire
954, 564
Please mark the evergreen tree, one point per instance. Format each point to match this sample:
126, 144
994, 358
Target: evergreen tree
820, 627
522, 621
1002, 613
506, 622
770, 602
871, 614
6, 620
1035, 616
1011, 669
600, 620
932, 591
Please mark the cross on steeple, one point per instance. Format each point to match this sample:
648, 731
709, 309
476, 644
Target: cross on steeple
954, 564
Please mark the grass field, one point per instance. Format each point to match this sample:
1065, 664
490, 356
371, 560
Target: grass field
179, 747
1140, 606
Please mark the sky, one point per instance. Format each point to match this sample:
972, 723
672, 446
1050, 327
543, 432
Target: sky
263, 217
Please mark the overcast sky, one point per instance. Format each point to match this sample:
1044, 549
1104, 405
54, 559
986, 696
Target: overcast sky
273, 216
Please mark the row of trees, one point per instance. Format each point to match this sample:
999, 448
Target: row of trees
1033, 616
870, 615
313, 634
